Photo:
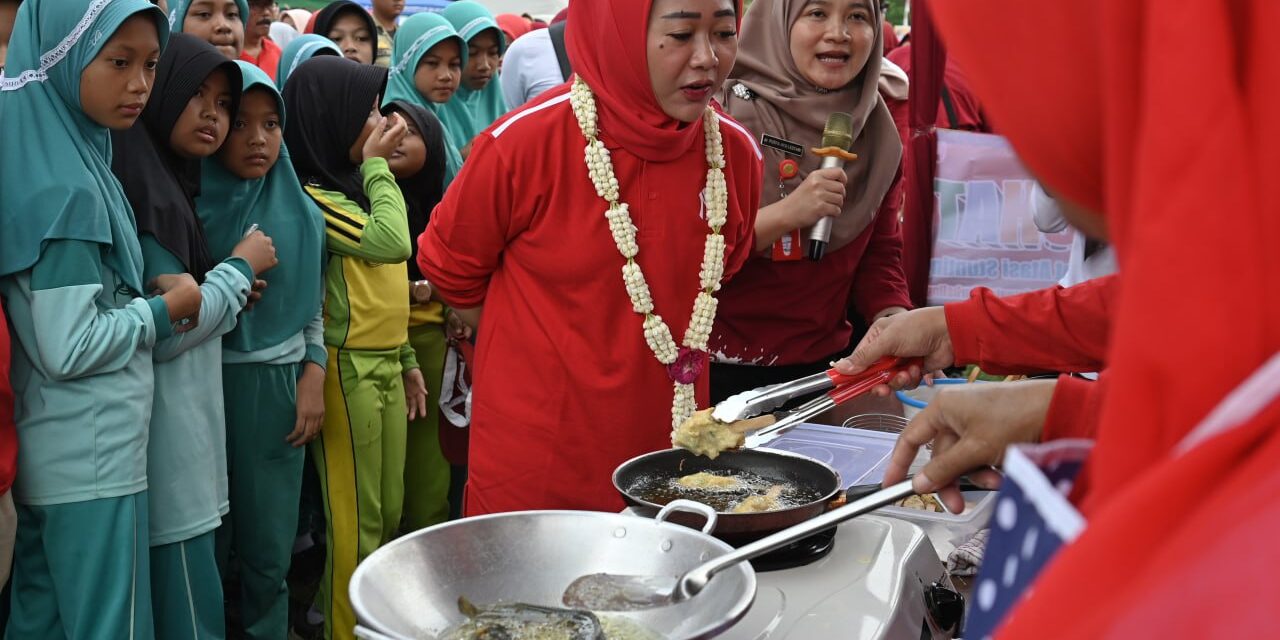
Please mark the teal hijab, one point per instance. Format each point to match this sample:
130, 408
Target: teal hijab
178, 12
414, 39
229, 205
56, 182
469, 112
300, 50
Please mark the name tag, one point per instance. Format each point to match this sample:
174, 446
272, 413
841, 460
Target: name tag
778, 144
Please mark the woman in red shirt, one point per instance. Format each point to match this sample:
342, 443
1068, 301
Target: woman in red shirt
586, 357
786, 316
1179, 490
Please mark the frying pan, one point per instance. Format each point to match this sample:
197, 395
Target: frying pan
781, 467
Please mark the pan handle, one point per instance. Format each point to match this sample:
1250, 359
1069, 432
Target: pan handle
689, 506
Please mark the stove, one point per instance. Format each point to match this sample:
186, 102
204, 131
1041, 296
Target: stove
797, 554
863, 580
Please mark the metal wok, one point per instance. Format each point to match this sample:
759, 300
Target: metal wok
409, 588
736, 528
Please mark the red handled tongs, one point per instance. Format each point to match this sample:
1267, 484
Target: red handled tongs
839, 389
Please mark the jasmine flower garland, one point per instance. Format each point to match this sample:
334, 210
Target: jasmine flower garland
684, 365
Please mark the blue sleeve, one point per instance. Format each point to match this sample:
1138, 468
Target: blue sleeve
313, 336
77, 328
222, 296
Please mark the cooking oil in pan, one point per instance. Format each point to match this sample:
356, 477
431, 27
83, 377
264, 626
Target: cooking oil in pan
518, 621
663, 489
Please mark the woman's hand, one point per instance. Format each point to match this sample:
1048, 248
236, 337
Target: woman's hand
255, 293
821, 195
455, 328
918, 333
970, 427
415, 394
181, 297
385, 137
310, 410
258, 250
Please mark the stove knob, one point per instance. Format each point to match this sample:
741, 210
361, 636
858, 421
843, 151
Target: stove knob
945, 607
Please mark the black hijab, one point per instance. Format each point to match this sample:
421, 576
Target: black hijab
334, 10
328, 100
424, 190
161, 186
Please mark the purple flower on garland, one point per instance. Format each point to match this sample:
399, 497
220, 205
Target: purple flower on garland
688, 365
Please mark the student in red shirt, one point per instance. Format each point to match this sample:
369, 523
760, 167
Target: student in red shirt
579, 368
259, 50
786, 315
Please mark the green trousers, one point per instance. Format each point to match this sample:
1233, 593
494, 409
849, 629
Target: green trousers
359, 457
265, 477
426, 472
82, 571
186, 590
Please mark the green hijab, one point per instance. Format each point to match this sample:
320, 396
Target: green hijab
178, 13
300, 50
469, 112
228, 206
56, 182
414, 39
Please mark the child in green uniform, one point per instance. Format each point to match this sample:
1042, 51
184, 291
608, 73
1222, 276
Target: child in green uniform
478, 102
426, 67
419, 167
218, 22
340, 143
72, 278
301, 49
158, 163
274, 360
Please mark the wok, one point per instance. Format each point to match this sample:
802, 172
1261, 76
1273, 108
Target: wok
409, 588
736, 528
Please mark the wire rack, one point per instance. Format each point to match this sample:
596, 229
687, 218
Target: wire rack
877, 422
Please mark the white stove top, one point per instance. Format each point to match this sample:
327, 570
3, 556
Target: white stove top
868, 588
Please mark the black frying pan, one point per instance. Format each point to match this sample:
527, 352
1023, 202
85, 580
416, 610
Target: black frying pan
779, 467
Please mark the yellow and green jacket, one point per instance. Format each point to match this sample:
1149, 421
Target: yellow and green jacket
366, 304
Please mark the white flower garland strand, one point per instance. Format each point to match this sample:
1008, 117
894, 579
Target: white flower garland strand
716, 194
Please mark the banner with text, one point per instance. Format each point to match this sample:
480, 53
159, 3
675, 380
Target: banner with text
984, 233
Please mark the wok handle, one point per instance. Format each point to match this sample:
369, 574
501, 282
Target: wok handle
696, 579
689, 506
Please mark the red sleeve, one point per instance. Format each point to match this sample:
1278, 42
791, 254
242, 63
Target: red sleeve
890, 38
1052, 329
1075, 409
746, 184
879, 282
471, 227
8, 431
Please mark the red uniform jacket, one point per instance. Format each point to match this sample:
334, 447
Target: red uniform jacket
566, 387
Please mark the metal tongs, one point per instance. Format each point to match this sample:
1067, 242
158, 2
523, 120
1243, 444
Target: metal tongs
842, 388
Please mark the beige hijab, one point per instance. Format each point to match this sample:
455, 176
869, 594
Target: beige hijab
787, 106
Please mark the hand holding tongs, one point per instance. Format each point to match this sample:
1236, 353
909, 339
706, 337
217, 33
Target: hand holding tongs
842, 389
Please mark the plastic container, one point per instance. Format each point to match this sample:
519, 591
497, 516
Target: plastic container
859, 456
946, 530
914, 400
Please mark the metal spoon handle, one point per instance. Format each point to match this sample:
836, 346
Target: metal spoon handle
696, 579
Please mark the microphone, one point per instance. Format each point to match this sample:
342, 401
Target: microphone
837, 137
